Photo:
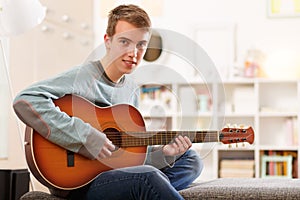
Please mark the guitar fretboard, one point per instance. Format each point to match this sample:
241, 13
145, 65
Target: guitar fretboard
133, 139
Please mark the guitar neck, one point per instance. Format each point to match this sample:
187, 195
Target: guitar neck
133, 139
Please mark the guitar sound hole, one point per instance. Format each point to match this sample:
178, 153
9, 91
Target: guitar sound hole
115, 136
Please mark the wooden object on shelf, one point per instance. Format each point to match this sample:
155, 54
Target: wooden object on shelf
279, 171
230, 168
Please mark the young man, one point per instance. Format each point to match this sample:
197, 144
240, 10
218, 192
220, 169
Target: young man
167, 169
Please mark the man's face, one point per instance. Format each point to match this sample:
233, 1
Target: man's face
126, 47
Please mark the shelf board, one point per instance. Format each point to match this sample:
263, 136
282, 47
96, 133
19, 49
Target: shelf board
225, 147
276, 177
199, 114
239, 115
239, 81
272, 81
279, 148
278, 114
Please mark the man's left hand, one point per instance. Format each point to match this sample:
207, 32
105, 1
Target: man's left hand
179, 146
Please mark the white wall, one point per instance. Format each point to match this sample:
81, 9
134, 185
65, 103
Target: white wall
271, 35
276, 37
4, 99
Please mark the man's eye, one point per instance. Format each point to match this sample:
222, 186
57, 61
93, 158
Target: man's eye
141, 45
124, 42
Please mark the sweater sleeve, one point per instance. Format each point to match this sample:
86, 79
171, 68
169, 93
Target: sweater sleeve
35, 107
156, 158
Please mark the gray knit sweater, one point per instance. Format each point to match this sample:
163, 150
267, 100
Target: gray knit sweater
35, 107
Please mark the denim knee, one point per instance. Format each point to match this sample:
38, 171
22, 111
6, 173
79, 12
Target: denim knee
195, 161
153, 172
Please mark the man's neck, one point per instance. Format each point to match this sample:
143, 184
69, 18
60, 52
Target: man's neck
110, 71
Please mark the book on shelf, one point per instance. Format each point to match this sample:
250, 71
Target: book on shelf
243, 168
271, 165
294, 154
277, 164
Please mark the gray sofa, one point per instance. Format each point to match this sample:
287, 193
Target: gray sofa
244, 188
224, 188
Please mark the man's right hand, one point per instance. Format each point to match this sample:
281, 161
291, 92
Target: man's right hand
106, 150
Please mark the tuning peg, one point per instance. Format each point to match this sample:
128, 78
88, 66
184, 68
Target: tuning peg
236, 145
229, 146
227, 125
243, 144
242, 125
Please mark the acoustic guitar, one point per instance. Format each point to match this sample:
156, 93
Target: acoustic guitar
59, 168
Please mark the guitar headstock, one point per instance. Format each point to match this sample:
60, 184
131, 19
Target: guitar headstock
230, 135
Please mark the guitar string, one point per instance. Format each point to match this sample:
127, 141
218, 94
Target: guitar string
167, 137
127, 140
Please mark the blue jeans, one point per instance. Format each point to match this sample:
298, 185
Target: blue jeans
144, 182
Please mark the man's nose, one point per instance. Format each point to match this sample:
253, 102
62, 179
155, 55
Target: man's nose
133, 51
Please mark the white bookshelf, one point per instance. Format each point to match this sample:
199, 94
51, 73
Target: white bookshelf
271, 107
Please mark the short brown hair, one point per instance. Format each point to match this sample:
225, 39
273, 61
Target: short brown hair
129, 13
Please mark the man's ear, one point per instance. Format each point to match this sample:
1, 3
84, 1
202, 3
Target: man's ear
107, 41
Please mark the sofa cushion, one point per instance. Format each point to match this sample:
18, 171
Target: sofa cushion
244, 188
37, 195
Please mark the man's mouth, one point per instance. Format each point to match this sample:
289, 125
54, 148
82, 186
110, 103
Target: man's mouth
129, 62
